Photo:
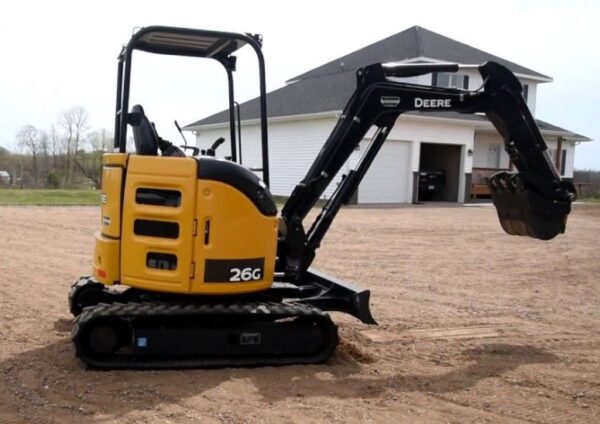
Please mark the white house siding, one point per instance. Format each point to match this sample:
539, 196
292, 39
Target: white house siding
532, 94
569, 146
419, 79
293, 147
475, 82
405, 140
483, 141
389, 179
420, 129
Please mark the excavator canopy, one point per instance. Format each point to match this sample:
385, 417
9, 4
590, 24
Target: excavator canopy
183, 42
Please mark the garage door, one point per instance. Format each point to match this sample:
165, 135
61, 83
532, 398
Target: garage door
387, 181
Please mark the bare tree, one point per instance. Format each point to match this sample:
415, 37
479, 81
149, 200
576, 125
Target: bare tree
74, 123
28, 138
54, 145
90, 162
44, 146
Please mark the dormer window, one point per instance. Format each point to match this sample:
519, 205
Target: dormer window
446, 80
526, 92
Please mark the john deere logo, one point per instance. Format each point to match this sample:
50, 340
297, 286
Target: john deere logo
432, 103
390, 101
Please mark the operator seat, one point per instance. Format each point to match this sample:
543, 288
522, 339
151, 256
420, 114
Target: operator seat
144, 133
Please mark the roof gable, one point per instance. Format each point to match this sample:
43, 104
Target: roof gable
329, 87
414, 42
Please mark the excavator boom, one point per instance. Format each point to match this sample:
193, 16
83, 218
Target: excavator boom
534, 201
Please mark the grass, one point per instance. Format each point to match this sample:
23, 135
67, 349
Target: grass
28, 197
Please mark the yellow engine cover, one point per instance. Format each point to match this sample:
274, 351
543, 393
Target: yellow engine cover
236, 244
165, 229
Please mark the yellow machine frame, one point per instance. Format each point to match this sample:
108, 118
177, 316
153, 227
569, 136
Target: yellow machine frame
212, 221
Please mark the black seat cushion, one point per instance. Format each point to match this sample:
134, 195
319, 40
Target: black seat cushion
144, 134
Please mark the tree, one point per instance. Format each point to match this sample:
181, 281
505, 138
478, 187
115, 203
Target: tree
54, 145
74, 122
4, 158
28, 138
44, 146
90, 162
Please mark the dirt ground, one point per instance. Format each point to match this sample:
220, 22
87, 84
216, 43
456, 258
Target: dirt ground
475, 326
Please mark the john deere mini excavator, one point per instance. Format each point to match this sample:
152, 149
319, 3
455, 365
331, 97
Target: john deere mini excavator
193, 267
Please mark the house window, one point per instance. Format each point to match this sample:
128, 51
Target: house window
526, 92
446, 80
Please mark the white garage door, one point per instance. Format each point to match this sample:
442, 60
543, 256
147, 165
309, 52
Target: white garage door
387, 181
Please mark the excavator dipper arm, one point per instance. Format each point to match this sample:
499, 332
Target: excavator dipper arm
533, 201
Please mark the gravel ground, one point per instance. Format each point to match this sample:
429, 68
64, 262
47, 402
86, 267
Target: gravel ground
475, 326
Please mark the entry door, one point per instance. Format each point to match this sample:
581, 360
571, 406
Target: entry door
387, 179
158, 223
493, 156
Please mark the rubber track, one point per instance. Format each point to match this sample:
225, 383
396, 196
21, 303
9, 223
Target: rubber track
271, 310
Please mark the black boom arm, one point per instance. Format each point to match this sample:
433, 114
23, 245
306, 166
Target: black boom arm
533, 202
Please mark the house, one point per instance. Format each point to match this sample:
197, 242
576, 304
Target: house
466, 147
4, 178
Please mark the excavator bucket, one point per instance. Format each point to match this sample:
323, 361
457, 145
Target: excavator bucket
525, 211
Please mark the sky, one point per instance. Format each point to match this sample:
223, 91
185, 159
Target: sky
60, 54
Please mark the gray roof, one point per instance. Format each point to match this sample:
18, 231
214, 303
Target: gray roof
327, 93
544, 126
411, 43
324, 89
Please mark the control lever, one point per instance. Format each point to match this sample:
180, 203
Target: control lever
211, 151
195, 150
180, 132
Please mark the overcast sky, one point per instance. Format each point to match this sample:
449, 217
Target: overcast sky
58, 54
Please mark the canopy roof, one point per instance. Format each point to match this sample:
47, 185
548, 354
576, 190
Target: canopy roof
188, 42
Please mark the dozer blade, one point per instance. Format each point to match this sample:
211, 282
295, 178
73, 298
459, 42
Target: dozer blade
338, 295
525, 211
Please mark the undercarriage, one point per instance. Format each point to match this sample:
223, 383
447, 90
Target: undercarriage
130, 328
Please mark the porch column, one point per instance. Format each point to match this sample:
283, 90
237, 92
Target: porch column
468, 187
558, 158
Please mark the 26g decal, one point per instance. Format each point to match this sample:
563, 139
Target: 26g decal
245, 274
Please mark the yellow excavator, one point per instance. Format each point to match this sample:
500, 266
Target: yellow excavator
193, 266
